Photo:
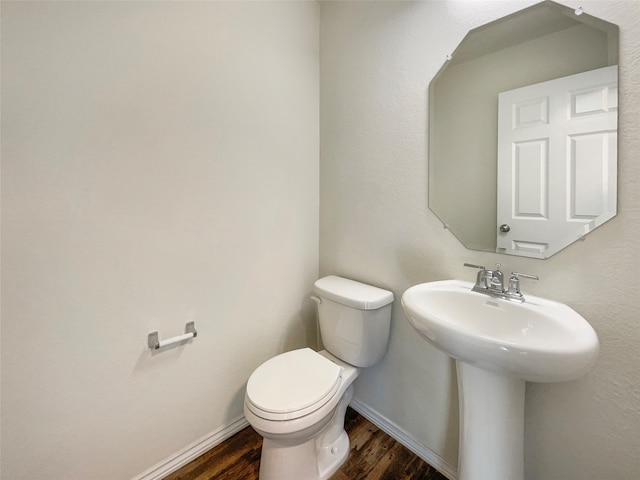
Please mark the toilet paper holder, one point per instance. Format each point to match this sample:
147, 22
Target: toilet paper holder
155, 343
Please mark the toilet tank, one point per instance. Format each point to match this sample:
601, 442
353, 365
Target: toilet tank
354, 319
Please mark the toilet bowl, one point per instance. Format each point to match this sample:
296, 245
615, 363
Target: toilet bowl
297, 400
306, 441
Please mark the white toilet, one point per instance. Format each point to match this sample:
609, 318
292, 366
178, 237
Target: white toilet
297, 400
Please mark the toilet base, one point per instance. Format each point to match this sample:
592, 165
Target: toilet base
331, 458
314, 459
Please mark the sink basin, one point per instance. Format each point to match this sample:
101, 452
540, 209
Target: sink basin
498, 346
538, 341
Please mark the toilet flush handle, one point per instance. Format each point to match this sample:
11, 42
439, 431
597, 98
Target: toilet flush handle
318, 300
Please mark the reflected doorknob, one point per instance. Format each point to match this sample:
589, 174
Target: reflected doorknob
504, 228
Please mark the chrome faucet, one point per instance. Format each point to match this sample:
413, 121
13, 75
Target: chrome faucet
491, 282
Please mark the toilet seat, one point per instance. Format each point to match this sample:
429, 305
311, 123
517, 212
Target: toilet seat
292, 384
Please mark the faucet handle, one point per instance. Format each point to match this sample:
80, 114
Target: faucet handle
483, 279
514, 283
524, 275
481, 267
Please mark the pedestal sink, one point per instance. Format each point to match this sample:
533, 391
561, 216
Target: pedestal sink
498, 345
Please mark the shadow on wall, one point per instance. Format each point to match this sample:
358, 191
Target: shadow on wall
237, 399
308, 319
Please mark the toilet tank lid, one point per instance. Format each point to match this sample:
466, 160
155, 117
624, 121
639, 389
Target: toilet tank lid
351, 293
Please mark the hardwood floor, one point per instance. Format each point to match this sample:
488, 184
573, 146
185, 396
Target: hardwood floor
374, 456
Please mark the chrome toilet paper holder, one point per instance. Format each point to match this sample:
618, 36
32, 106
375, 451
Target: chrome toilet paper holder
155, 343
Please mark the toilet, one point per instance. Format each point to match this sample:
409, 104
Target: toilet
297, 400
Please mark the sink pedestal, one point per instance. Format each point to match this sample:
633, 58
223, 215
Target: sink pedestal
491, 425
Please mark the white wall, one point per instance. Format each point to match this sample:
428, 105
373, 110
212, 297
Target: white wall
377, 59
159, 165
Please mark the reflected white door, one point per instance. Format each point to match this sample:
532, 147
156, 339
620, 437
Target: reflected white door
557, 153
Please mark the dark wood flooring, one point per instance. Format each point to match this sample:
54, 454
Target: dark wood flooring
374, 456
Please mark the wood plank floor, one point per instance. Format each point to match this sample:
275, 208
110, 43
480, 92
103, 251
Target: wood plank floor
374, 456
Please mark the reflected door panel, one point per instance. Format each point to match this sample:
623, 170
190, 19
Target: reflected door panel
556, 161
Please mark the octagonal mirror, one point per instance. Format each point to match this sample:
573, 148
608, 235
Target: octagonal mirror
523, 132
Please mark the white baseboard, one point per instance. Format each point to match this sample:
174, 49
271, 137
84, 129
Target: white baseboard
405, 439
193, 451
197, 448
